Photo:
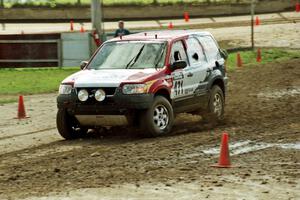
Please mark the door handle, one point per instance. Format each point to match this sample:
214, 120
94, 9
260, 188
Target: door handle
190, 74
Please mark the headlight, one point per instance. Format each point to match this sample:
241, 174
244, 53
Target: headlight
134, 89
83, 95
65, 89
99, 95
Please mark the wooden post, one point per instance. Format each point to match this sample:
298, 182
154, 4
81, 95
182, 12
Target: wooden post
96, 17
252, 23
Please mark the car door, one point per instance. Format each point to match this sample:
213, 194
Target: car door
198, 64
182, 81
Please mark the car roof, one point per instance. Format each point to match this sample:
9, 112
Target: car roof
162, 35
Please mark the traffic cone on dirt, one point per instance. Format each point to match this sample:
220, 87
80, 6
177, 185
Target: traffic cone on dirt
239, 61
258, 57
224, 160
257, 21
186, 16
170, 25
71, 25
297, 7
21, 109
82, 29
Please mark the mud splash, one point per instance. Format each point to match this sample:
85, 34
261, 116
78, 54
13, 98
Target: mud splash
250, 146
280, 93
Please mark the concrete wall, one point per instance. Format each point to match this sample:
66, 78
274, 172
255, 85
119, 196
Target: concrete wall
143, 12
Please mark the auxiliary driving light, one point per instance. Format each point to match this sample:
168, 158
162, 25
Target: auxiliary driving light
100, 95
83, 95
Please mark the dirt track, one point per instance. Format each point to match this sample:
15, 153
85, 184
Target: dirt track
262, 118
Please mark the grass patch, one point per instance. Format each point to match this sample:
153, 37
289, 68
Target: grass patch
6, 100
268, 55
32, 81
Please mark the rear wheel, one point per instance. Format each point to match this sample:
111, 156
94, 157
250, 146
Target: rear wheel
68, 126
158, 119
215, 107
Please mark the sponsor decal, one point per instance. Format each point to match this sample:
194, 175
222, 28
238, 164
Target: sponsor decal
178, 76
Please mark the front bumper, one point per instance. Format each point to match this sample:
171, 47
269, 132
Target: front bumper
117, 104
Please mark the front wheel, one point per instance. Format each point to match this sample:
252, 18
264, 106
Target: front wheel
67, 125
158, 119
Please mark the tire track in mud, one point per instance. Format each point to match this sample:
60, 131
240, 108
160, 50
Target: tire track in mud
28, 133
27, 140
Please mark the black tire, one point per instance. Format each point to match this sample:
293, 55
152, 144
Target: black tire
215, 107
158, 119
68, 127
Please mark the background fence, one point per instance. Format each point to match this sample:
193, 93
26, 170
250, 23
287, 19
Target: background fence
54, 3
45, 50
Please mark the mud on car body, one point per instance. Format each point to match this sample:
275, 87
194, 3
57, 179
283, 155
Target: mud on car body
143, 80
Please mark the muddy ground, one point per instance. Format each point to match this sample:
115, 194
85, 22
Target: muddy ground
262, 119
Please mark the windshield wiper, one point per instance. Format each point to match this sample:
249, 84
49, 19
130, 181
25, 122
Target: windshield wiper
160, 56
134, 59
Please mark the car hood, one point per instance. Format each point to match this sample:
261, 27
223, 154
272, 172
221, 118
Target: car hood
108, 78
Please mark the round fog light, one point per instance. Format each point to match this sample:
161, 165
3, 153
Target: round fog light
83, 95
100, 95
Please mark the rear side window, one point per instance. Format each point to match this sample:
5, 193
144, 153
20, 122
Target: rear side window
195, 50
210, 47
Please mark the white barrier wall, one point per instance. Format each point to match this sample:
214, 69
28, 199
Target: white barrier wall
76, 47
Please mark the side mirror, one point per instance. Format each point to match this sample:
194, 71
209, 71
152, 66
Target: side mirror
223, 53
83, 64
179, 64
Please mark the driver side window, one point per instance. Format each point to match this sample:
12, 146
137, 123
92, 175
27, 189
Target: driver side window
178, 52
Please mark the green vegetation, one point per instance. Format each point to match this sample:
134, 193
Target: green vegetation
268, 55
59, 3
14, 82
32, 81
5, 100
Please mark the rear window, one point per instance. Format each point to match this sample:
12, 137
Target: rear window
210, 47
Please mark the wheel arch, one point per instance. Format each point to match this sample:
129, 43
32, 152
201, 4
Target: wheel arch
219, 82
163, 92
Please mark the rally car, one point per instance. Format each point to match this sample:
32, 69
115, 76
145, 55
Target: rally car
144, 80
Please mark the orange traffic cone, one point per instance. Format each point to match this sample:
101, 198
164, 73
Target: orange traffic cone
71, 25
258, 57
224, 160
82, 29
257, 21
170, 25
239, 60
297, 7
186, 16
21, 109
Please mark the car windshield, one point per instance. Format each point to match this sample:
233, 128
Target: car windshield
129, 55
